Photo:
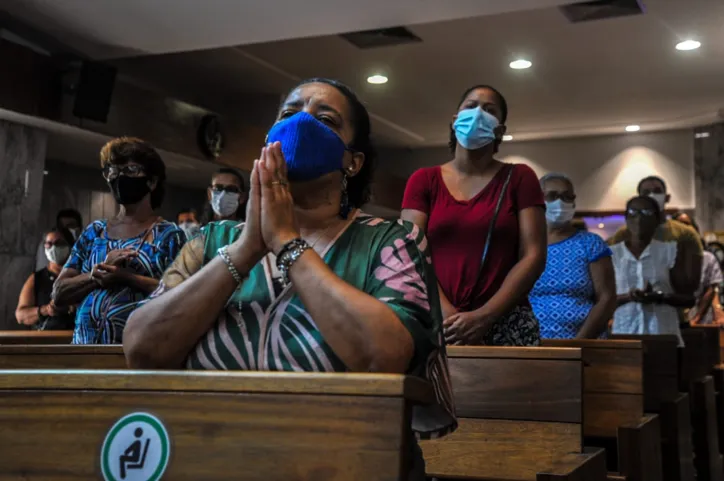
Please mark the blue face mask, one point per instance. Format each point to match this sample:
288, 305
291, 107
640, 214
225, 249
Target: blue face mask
474, 128
310, 148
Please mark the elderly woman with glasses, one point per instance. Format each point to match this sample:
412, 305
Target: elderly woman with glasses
649, 275
116, 263
576, 295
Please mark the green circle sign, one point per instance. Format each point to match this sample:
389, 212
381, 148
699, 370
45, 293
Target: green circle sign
136, 448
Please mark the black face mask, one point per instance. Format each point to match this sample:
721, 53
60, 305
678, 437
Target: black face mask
129, 190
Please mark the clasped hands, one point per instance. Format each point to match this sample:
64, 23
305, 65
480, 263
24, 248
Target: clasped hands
112, 271
466, 328
647, 295
270, 218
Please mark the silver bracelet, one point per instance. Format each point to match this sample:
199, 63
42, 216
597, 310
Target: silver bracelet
224, 254
289, 254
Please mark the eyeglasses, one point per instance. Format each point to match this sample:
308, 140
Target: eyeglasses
129, 170
552, 196
631, 212
232, 189
59, 243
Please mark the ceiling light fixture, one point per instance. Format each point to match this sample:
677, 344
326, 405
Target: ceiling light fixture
507, 138
377, 79
632, 128
688, 45
701, 135
520, 64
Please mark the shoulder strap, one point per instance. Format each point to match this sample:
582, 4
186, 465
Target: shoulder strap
495, 217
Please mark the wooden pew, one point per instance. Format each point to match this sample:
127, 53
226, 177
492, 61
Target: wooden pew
521, 417
697, 361
662, 396
35, 337
61, 357
613, 406
253, 426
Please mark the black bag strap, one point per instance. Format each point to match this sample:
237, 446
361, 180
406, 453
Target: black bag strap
495, 217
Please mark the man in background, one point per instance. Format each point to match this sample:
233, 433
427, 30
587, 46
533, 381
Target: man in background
188, 221
65, 219
688, 243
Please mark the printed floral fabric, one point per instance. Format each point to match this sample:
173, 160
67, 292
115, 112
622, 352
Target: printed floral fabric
103, 313
518, 328
259, 330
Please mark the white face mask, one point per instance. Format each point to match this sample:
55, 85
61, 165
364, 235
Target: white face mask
57, 254
559, 212
224, 203
189, 228
660, 199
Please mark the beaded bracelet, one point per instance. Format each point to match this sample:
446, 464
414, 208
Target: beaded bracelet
224, 254
289, 254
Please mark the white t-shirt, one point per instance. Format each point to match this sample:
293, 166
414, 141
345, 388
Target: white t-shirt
653, 267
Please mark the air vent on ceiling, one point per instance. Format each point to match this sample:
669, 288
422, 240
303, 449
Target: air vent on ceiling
601, 9
384, 37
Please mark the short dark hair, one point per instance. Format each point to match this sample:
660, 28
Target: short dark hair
651, 201
359, 187
65, 233
235, 173
124, 149
69, 213
651, 177
452, 143
189, 210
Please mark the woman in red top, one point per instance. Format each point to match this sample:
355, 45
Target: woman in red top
483, 292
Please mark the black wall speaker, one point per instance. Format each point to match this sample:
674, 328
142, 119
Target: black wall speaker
94, 91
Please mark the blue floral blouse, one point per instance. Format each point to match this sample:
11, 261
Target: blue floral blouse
102, 315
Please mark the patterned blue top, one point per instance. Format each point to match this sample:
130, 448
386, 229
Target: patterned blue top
564, 294
102, 315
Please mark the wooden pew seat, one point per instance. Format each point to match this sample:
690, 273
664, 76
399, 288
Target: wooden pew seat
521, 417
61, 357
220, 425
36, 337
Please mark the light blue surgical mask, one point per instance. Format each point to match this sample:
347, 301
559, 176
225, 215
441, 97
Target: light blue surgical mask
475, 128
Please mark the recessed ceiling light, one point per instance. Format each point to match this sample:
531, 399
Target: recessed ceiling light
377, 79
701, 135
507, 138
601, 226
632, 128
688, 45
520, 64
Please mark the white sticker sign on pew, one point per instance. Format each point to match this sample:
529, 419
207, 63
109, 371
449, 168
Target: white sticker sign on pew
136, 448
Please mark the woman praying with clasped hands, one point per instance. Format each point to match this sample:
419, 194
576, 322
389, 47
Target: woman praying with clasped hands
308, 283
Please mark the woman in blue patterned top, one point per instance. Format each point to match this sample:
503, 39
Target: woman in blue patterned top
116, 263
576, 295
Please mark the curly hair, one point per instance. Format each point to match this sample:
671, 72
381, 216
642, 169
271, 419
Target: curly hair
124, 149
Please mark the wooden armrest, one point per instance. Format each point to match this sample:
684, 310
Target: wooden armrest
588, 466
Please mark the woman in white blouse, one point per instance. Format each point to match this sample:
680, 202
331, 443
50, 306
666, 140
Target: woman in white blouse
647, 275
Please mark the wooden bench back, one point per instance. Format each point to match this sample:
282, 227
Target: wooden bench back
36, 337
661, 368
260, 426
699, 355
613, 384
519, 409
61, 357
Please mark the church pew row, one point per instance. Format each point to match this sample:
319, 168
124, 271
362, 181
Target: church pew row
613, 406
697, 363
35, 337
62, 425
521, 417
